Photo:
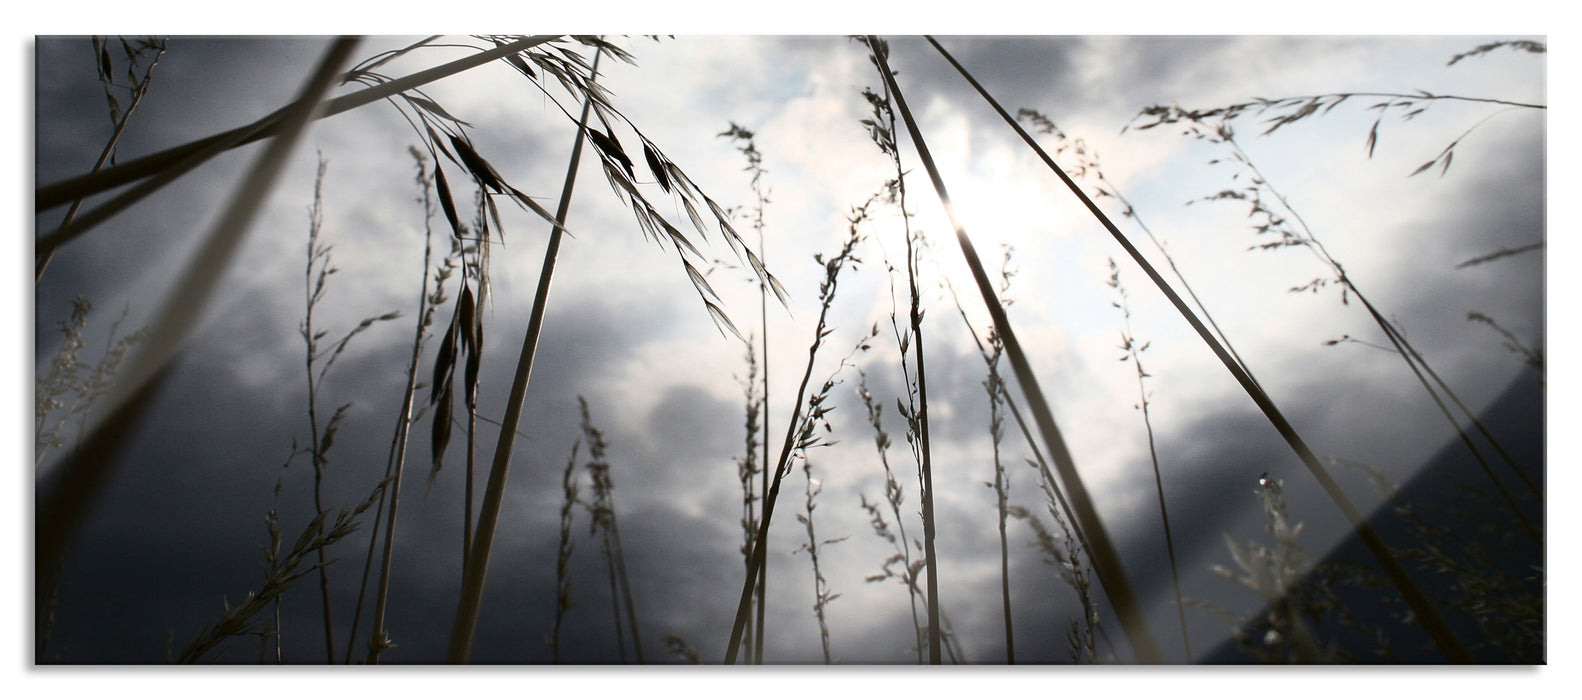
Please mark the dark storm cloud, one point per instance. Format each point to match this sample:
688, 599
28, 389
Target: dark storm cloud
1004, 65
190, 489
1041, 72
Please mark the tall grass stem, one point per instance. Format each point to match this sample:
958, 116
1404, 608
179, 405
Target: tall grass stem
398, 442
466, 622
832, 268
1134, 354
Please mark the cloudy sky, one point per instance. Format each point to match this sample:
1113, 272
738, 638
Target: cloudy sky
180, 527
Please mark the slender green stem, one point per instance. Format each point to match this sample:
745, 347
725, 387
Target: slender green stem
915, 316
1443, 636
747, 467
892, 495
1001, 486
607, 526
1134, 354
917, 418
466, 507
317, 257
397, 453
568, 487
832, 270
378, 641
626, 585
494, 491
821, 594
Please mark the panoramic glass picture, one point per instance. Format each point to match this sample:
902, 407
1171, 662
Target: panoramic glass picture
859, 350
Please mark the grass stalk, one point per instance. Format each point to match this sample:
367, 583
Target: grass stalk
1443, 636
1288, 110
272, 555
607, 527
396, 462
1103, 552
832, 268
749, 149
763, 321
994, 385
893, 494
601, 511
1276, 574
1498, 254
808, 438
568, 487
466, 510
821, 592
318, 362
318, 256
468, 329
1415, 361
1530, 356
466, 623
917, 414
1080, 638
747, 467
1472, 417
66, 376
1134, 356
921, 417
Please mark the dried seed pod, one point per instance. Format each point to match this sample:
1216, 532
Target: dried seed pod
466, 319
475, 163
444, 364
445, 201
521, 65
657, 166
441, 434
470, 379
607, 144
